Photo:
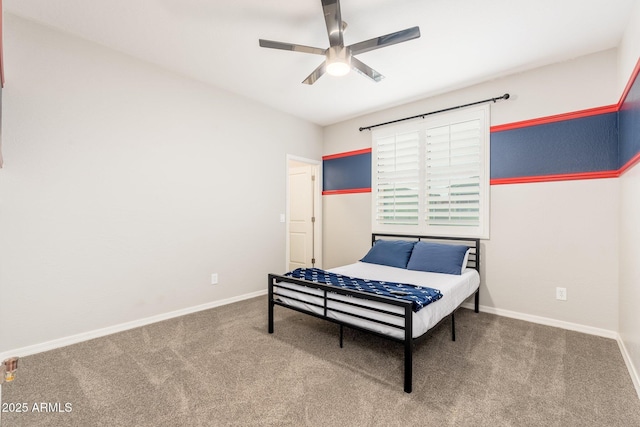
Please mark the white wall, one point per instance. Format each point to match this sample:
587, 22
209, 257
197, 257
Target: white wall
555, 234
125, 186
629, 214
542, 235
629, 49
630, 269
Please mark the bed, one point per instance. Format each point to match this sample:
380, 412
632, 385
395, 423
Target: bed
402, 288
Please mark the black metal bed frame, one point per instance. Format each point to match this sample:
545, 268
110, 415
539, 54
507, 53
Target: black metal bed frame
329, 293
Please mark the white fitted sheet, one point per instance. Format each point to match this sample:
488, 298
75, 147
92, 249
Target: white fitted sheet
454, 289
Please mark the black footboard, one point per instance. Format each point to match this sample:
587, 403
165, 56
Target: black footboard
329, 303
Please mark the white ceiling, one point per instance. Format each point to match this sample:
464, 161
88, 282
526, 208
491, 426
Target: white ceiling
463, 42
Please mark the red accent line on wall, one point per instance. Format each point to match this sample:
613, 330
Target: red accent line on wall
346, 154
346, 191
631, 163
558, 177
556, 118
570, 176
574, 114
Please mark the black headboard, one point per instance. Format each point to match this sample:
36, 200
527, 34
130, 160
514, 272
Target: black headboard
473, 244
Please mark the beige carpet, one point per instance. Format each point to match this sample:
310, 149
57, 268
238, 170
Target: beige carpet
221, 367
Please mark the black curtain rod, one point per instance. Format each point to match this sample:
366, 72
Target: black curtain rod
505, 96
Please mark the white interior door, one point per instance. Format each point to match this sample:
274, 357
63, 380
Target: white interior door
301, 217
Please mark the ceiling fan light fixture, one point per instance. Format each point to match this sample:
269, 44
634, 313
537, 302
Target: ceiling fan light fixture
338, 61
338, 68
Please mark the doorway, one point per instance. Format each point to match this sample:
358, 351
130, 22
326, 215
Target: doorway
304, 221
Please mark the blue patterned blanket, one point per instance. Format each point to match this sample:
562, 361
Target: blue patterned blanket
421, 296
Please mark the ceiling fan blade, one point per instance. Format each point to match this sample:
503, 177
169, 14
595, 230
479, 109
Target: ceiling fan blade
317, 73
294, 47
333, 20
387, 40
364, 69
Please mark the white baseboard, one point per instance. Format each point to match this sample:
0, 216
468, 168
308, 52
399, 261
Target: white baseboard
632, 370
85, 336
547, 321
74, 339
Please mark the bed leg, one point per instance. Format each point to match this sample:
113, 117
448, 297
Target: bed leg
453, 326
408, 349
477, 301
270, 324
270, 317
341, 335
408, 365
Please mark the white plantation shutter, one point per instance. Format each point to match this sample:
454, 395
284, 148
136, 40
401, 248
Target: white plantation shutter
398, 179
432, 176
453, 164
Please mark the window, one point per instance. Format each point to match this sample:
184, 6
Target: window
432, 176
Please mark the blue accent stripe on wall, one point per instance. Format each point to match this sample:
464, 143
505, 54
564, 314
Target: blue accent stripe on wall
345, 173
587, 144
629, 125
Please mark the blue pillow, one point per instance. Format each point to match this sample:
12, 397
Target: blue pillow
394, 253
437, 258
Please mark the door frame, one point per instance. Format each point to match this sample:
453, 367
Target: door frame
317, 204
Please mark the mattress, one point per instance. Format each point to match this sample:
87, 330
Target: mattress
454, 288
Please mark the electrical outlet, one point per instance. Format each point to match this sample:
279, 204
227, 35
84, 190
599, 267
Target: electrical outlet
214, 278
561, 294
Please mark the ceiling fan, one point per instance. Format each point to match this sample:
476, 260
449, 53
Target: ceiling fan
339, 59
